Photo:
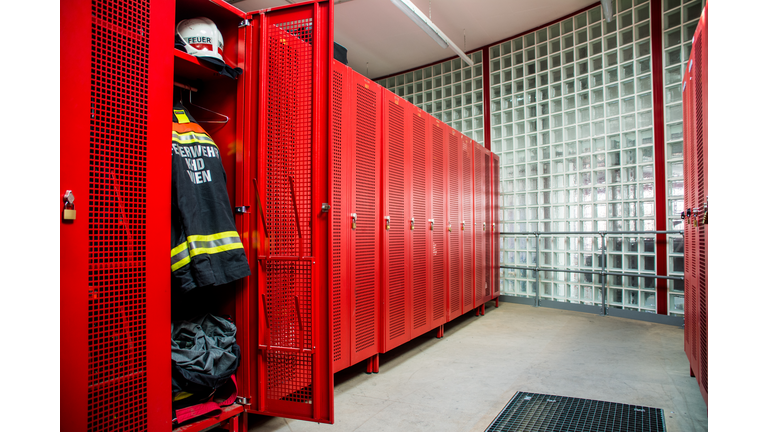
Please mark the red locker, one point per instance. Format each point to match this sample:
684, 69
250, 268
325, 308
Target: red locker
495, 227
479, 199
357, 221
488, 215
420, 234
437, 221
453, 217
467, 225
397, 256
695, 136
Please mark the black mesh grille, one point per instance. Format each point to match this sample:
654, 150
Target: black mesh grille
534, 412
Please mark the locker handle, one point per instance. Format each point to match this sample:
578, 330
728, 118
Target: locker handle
450, 227
413, 224
483, 226
296, 215
386, 223
298, 319
462, 225
266, 318
431, 224
493, 227
354, 220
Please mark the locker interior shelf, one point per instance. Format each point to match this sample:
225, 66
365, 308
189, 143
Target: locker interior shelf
191, 68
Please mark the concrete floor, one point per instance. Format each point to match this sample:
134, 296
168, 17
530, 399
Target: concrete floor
461, 382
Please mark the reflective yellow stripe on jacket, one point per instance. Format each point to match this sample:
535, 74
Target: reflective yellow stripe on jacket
208, 244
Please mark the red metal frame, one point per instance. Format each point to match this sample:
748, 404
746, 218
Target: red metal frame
695, 113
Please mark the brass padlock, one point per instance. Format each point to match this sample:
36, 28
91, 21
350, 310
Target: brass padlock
354, 220
449, 227
69, 206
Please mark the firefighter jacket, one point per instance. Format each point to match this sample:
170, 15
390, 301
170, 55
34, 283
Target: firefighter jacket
205, 246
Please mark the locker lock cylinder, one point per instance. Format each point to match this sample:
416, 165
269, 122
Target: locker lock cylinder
325, 207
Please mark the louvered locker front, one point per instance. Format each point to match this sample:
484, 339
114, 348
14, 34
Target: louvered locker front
420, 211
364, 183
488, 214
453, 217
479, 210
495, 227
397, 307
467, 225
437, 222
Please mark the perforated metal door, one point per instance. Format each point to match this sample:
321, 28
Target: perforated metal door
454, 224
420, 230
294, 367
488, 214
479, 202
115, 283
438, 224
364, 204
396, 203
495, 227
468, 225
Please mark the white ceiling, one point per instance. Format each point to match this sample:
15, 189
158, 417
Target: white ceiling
381, 40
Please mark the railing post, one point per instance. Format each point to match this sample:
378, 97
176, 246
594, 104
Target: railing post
604, 263
538, 279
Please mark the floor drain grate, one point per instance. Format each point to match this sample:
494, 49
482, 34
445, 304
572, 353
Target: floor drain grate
534, 412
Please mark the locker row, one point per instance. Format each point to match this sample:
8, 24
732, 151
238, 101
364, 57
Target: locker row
414, 215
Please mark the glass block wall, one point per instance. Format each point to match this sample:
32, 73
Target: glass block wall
680, 20
451, 91
572, 119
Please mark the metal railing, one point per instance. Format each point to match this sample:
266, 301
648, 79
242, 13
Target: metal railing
603, 272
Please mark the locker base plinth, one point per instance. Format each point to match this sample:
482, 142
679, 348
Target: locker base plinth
691, 371
497, 302
372, 364
441, 331
482, 309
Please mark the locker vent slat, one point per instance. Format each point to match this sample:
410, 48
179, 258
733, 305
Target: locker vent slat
454, 196
338, 97
438, 214
467, 217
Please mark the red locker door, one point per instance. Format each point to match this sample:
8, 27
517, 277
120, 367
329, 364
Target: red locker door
419, 225
365, 222
689, 132
488, 193
294, 359
340, 257
115, 279
438, 228
454, 224
467, 225
479, 203
396, 242
496, 227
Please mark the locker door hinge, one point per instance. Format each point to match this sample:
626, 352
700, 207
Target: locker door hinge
242, 400
245, 23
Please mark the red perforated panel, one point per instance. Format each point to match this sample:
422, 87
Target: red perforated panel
468, 221
454, 210
117, 217
420, 288
337, 134
497, 227
395, 210
479, 200
438, 215
365, 111
488, 193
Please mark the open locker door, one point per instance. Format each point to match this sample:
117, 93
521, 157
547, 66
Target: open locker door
290, 48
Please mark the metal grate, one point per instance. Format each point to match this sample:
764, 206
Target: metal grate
479, 233
398, 226
336, 210
365, 206
289, 159
454, 197
420, 217
438, 214
534, 412
487, 189
495, 220
117, 381
466, 175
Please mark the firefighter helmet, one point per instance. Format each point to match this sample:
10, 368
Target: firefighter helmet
201, 37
